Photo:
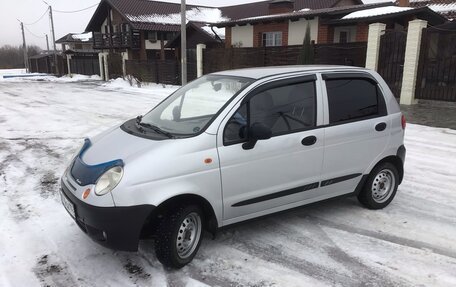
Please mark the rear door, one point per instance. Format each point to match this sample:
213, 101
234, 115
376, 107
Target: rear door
357, 132
282, 170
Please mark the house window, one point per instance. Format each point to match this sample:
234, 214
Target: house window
125, 27
271, 39
152, 36
343, 37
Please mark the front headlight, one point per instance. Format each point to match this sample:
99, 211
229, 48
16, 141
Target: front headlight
108, 180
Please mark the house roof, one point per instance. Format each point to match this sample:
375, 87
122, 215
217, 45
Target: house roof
75, 38
303, 13
149, 15
445, 7
206, 37
381, 14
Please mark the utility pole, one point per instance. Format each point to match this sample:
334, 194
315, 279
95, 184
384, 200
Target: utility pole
47, 42
24, 48
183, 42
53, 40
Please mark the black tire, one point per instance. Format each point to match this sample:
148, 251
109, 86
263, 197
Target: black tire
371, 194
168, 230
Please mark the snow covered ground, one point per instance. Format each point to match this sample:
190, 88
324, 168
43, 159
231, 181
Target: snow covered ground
410, 243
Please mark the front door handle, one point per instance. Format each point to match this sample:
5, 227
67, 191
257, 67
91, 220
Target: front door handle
308, 141
380, 127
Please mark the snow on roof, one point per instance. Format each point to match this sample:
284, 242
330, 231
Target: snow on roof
198, 14
84, 37
220, 31
376, 12
443, 8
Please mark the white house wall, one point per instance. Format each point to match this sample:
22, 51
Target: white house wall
242, 35
297, 31
153, 46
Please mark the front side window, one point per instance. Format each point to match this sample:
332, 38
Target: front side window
351, 99
272, 39
189, 110
284, 109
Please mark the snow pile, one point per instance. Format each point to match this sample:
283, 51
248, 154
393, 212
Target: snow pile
12, 71
146, 88
51, 78
199, 14
376, 12
85, 37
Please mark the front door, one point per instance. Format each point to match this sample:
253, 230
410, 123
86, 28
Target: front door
280, 171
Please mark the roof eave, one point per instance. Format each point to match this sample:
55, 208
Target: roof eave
433, 19
301, 15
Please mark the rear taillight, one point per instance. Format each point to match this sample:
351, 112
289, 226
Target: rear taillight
403, 122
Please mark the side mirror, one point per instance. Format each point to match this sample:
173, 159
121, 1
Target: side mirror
257, 131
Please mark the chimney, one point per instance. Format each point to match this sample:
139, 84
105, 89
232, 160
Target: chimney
403, 3
281, 6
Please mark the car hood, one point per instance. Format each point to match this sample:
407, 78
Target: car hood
117, 144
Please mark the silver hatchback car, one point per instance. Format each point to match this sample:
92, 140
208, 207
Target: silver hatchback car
236, 145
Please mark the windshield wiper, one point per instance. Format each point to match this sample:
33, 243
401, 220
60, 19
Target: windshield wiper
154, 128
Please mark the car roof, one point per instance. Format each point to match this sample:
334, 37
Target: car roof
258, 73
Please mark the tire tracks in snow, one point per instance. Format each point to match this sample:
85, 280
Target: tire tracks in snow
269, 251
386, 237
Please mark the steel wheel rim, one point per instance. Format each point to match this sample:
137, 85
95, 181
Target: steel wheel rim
383, 186
188, 235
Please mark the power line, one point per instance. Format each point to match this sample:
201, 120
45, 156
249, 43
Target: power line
75, 11
41, 17
40, 37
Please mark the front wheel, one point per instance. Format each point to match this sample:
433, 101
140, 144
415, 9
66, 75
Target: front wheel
381, 186
179, 236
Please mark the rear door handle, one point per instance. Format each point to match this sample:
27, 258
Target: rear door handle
380, 127
308, 141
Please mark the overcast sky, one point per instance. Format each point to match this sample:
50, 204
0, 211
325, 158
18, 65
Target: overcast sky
29, 11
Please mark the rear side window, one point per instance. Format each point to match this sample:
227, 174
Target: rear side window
353, 99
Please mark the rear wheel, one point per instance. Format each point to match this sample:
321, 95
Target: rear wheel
179, 236
380, 187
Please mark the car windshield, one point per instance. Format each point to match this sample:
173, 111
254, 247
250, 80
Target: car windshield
189, 110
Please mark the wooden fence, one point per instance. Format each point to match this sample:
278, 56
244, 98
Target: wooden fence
219, 59
160, 71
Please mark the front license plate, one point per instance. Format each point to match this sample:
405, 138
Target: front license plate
68, 205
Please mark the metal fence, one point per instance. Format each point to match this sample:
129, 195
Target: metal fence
436, 79
218, 59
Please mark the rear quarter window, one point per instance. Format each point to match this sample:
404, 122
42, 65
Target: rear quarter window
353, 99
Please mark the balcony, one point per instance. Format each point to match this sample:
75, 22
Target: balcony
119, 40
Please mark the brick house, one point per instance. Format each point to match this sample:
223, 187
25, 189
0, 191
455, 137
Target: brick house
142, 29
339, 24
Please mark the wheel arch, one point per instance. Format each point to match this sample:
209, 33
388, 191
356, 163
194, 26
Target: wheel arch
396, 161
163, 209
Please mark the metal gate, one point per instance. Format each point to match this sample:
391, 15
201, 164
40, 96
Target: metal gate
436, 79
85, 65
391, 59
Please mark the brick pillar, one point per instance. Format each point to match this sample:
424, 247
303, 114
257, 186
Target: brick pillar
199, 59
228, 37
373, 45
412, 56
323, 33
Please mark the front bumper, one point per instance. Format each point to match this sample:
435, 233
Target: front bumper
117, 228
